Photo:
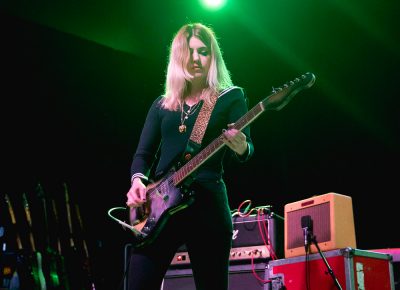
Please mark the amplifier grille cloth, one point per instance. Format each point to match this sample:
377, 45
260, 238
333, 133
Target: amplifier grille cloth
320, 214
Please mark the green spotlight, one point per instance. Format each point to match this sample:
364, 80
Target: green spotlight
213, 4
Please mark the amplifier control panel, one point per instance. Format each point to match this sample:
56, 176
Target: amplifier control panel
248, 253
237, 254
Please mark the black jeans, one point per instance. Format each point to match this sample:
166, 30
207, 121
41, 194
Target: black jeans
205, 228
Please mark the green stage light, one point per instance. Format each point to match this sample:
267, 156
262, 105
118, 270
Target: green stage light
213, 4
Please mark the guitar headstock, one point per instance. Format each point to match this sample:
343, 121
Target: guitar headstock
281, 96
40, 191
10, 208
8, 202
25, 201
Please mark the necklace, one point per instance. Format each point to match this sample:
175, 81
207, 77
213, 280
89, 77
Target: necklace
185, 115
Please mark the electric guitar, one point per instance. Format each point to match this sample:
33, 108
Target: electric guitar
37, 270
50, 256
170, 194
74, 254
86, 263
13, 221
69, 219
61, 268
18, 269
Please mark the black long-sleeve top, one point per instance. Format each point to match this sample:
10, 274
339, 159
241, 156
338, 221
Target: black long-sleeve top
160, 132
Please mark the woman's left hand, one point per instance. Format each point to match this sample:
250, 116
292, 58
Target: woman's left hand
235, 139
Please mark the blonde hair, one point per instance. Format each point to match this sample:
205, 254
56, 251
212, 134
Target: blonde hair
177, 82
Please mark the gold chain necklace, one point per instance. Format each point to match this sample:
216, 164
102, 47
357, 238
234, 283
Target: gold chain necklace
185, 115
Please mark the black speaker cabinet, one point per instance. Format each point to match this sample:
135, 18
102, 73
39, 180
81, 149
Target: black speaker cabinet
241, 277
246, 230
332, 219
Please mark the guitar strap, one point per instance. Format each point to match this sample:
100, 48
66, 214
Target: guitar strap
201, 123
199, 128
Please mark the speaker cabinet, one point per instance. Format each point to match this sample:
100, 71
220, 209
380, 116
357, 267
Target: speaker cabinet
332, 222
240, 277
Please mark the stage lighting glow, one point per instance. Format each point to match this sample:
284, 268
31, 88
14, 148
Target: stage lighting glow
213, 4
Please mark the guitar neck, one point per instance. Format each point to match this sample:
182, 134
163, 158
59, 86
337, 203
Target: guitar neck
57, 224
69, 217
215, 146
275, 101
86, 261
41, 195
78, 215
29, 220
14, 222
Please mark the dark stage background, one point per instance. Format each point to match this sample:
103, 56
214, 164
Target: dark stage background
77, 80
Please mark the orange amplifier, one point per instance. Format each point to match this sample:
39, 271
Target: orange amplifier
331, 215
353, 269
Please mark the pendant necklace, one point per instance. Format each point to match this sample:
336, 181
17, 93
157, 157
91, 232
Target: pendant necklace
185, 115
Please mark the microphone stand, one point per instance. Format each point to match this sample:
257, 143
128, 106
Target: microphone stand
330, 271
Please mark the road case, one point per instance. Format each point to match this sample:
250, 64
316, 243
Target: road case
353, 269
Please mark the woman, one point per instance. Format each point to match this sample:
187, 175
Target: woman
196, 76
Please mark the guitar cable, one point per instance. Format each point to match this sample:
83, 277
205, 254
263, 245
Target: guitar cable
248, 210
122, 223
262, 226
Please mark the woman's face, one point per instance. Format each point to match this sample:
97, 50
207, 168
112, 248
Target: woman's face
200, 58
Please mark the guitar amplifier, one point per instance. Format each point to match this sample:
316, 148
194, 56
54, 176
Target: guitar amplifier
254, 237
254, 229
332, 220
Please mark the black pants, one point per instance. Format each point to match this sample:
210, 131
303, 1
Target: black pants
205, 228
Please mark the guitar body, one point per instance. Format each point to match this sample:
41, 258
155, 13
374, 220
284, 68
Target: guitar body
163, 200
37, 271
28, 271
50, 269
62, 273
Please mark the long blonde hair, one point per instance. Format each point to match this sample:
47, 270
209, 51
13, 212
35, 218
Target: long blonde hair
177, 82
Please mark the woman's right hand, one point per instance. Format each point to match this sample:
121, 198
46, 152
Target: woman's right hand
136, 195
